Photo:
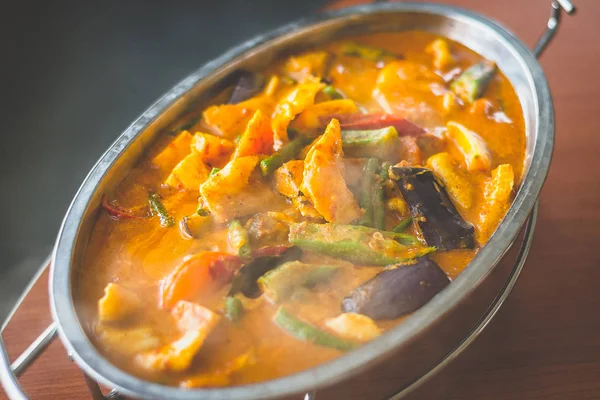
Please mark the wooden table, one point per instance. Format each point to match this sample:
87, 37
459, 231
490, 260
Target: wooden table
545, 341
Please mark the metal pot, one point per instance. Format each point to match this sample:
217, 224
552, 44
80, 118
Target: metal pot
406, 354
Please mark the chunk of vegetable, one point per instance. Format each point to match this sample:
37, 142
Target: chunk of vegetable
441, 225
471, 145
293, 104
403, 224
221, 377
233, 308
245, 279
195, 322
218, 190
247, 85
379, 197
257, 138
458, 187
280, 283
288, 152
496, 200
367, 188
302, 66
370, 53
332, 92
369, 143
409, 151
357, 244
127, 341
212, 149
117, 303
238, 239
194, 226
190, 173
471, 84
193, 276
288, 178
231, 119
440, 51
288, 182
318, 115
174, 152
158, 209
323, 181
354, 326
310, 333
403, 126
397, 291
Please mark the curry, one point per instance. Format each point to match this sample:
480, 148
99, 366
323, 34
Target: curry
310, 208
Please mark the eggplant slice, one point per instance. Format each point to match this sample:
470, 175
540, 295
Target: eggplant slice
433, 211
397, 291
247, 85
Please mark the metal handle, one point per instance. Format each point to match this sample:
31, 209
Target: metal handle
552, 25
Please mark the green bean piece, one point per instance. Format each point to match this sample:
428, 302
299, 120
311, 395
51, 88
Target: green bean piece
201, 208
285, 154
402, 225
159, 210
239, 239
332, 92
234, 309
366, 189
310, 333
358, 244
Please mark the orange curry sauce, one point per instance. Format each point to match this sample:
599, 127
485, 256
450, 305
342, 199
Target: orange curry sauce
138, 254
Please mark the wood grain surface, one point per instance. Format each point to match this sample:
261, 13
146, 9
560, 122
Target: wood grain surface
545, 341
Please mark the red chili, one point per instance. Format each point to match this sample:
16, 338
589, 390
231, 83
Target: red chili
223, 268
377, 121
118, 211
270, 251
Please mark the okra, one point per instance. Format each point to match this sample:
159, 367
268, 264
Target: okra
369, 143
239, 239
285, 154
159, 210
332, 92
378, 198
471, 84
359, 244
402, 225
233, 308
310, 333
280, 283
367, 187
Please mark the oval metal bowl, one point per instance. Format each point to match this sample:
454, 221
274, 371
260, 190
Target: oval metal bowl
415, 346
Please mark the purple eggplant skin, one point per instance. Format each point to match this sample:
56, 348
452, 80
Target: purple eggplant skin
397, 291
247, 84
433, 211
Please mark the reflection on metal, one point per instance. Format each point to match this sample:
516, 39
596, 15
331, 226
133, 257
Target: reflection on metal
553, 23
34, 350
516, 271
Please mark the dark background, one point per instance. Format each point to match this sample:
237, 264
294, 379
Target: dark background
74, 75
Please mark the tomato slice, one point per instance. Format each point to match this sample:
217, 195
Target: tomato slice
195, 274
